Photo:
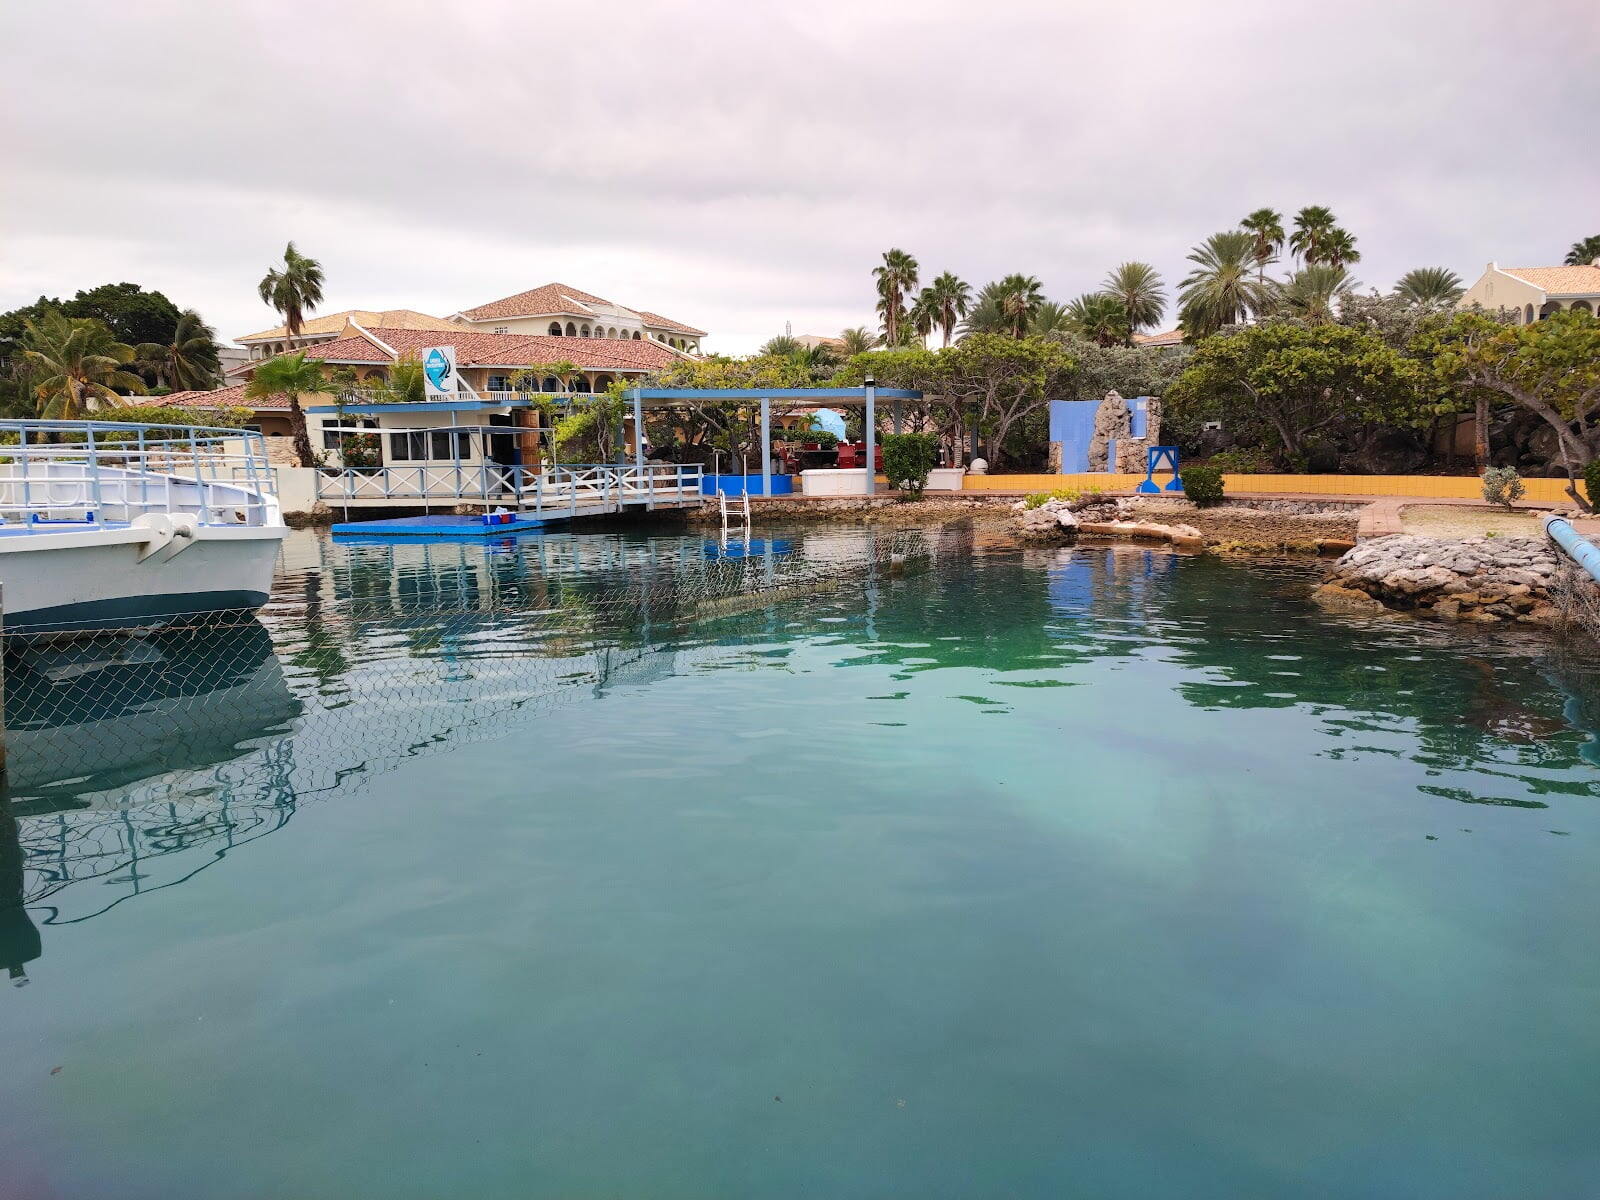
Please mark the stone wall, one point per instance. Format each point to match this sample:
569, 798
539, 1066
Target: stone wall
1113, 421
1471, 579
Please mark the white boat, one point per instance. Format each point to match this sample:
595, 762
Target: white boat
109, 525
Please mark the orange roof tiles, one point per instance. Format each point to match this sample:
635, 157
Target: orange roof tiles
657, 321
1560, 281
537, 302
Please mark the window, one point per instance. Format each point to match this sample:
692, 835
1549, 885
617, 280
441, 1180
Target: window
555, 328
586, 331
436, 445
499, 383
333, 435
502, 329
636, 335
572, 330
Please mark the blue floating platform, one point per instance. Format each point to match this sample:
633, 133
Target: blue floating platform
438, 527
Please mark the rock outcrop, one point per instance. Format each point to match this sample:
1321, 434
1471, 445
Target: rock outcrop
1469, 579
1052, 521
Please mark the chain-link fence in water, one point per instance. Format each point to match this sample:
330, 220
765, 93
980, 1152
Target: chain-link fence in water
138, 758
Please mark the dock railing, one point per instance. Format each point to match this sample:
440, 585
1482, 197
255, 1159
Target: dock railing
575, 490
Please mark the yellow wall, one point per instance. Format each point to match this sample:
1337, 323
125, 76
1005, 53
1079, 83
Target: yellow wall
1437, 487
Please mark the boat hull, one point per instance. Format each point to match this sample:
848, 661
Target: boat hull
93, 579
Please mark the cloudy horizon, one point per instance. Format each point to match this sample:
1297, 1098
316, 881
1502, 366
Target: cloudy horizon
743, 166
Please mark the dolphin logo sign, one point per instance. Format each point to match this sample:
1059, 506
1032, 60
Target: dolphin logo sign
437, 367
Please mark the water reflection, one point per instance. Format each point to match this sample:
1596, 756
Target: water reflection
139, 762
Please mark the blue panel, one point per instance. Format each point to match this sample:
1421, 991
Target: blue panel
738, 485
439, 526
1139, 415
1072, 424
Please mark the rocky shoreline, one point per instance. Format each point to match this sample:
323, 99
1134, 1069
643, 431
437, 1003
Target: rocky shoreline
1488, 580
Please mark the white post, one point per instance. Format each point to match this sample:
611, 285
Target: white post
766, 448
871, 435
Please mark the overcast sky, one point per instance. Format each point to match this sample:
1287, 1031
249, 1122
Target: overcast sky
737, 164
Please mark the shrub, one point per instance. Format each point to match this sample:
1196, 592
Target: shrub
1203, 485
1502, 485
907, 459
1591, 483
1040, 499
1240, 462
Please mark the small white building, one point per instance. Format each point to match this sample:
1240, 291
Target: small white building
1527, 294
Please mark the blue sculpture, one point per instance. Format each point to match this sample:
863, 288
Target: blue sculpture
1157, 458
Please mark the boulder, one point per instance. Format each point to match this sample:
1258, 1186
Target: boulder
1333, 598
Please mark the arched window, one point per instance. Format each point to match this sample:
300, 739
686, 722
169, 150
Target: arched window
1550, 309
572, 330
1581, 306
1527, 315
636, 335
602, 382
585, 331
377, 375
555, 328
552, 384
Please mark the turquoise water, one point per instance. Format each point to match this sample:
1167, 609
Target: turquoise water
1104, 873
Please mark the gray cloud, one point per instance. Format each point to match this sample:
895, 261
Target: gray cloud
742, 164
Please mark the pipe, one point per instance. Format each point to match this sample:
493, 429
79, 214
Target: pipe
1577, 547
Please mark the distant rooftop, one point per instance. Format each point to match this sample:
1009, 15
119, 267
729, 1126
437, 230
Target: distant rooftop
332, 324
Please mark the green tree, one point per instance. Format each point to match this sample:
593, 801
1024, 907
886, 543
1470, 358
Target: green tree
1003, 379
1291, 381
907, 459
1430, 287
1050, 318
1099, 317
1550, 368
857, 341
780, 345
291, 376
293, 291
1340, 250
1584, 252
922, 317
74, 364
1313, 293
1314, 226
132, 314
1220, 290
1138, 288
951, 300
189, 361
896, 276
1265, 227
404, 383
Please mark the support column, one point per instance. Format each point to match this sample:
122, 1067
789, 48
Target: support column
896, 417
638, 430
871, 435
766, 446
975, 447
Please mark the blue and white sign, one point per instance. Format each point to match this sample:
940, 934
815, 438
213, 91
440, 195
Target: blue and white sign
439, 373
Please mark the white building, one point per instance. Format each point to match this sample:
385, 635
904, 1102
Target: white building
1528, 294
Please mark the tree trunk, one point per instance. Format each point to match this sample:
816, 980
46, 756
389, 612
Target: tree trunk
302, 439
1480, 433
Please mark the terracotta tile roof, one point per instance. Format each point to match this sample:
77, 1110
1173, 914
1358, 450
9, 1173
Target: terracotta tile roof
476, 349
228, 397
538, 302
393, 318
1172, 337
657, 321
1560, 281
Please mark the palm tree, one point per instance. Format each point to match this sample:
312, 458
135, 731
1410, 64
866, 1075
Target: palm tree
1312, 293
1138, 288
1050, 317
1099, 317
923, 315
291, 376
1265, 225
1018, 298
405, 383
780, 347
74, 363
189, 361
1430, 287
1585, 252
952, 300
1220, 290
896, 276
1340, 250
857, 341
1313, 225
293, 291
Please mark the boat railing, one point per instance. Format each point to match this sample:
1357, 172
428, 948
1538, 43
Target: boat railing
110, 471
